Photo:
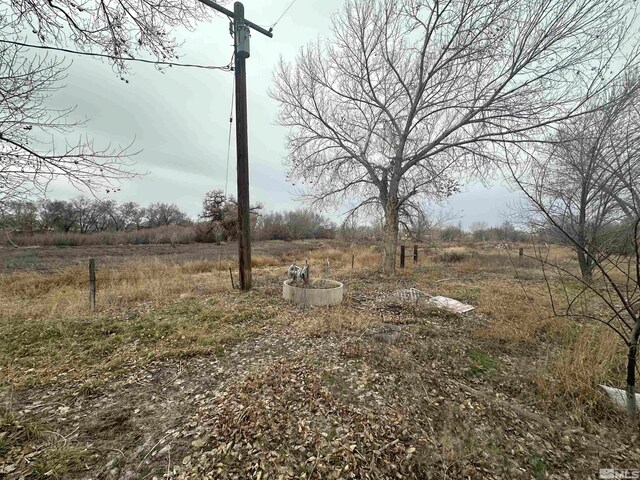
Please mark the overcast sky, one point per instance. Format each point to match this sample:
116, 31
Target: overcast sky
179, 119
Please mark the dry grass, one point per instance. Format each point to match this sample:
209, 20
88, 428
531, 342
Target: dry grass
147, 310
305, 370
594, 355
155, 309
65, 293
453, 254
167, 234
367, 258
88, 348
513, 297
265, 261
516, 314
342, 319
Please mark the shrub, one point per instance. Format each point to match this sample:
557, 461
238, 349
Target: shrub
453, 255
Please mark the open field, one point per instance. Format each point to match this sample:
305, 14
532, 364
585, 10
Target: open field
49, 258
178, 376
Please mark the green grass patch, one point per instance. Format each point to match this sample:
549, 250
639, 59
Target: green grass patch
4, 444
481, 363
466, 293
91, 388
539, 467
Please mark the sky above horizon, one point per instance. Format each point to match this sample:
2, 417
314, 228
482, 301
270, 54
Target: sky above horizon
178, 119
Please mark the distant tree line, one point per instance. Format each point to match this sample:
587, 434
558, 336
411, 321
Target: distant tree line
85, 215
217, 222
507, 232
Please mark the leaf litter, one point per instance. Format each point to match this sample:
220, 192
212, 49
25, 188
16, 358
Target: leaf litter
286, 405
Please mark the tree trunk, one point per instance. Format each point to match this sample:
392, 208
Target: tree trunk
586, 267
390, 236
632, 408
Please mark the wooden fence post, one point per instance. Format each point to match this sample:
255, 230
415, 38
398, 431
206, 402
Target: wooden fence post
92, 284
233, 287
353, 259
415, 254
402, 256
521, 252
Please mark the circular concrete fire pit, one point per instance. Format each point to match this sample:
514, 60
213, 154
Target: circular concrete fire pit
316, 292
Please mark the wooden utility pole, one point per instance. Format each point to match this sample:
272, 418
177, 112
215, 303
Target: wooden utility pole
241, 35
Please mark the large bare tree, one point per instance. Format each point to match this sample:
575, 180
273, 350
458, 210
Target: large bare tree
406, 95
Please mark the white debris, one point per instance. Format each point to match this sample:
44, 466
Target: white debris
413, 295
298, 273
451, 304
618, 396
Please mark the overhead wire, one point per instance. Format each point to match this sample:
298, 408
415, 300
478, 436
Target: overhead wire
233, 90
283, 13
233, 96
227, 67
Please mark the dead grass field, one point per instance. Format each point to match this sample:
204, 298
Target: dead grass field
178, 376
52, 258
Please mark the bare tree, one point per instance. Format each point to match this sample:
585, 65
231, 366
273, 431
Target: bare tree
576, 198
220, 216
19, 217
57, 215
106, 215
161, 214
29, 158
85, 212
406, 95
421, 219
132, 214
128, 214
582, 174
115, 28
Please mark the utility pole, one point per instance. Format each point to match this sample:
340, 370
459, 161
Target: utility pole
241, 35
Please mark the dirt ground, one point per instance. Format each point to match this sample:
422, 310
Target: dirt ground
323, 393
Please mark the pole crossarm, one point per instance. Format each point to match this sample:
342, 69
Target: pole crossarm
230, 14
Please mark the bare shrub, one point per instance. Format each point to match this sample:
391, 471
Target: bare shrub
453, 255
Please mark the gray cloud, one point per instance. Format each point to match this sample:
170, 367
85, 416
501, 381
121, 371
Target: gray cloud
180, 118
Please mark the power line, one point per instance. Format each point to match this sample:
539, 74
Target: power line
284, 13
227, 67
226, 181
